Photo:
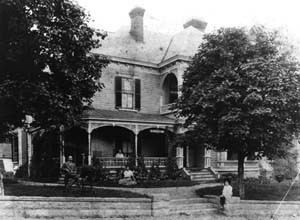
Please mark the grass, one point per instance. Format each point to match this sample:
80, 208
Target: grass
153, 184
256, 191
18, 189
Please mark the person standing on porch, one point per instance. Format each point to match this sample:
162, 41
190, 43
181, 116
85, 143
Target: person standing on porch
119, 154
226, 194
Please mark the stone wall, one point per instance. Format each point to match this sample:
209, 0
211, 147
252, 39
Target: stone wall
66, 207
259, 208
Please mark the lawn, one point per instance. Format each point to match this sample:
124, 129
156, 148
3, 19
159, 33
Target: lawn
18, 189
152, 184
256, 191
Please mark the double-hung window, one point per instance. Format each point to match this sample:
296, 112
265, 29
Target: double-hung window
127, 93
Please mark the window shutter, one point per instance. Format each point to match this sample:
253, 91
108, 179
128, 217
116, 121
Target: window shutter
118, 91
137, 94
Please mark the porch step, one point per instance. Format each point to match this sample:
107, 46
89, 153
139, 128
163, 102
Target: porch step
201, 175
61, 179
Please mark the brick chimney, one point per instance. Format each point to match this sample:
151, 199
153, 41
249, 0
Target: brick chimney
137, 23
196, 23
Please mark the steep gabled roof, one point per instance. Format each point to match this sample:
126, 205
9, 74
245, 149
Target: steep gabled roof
184, 43
121, 44
155, 46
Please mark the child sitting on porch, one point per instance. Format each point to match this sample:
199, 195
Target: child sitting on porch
226, 194
128, 177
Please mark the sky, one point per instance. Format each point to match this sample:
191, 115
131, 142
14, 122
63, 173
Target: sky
110, 15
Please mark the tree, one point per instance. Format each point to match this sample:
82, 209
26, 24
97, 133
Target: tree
47, 69
241, 93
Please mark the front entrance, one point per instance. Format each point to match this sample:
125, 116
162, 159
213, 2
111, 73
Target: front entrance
197, 157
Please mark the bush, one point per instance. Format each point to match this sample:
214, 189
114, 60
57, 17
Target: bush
22, 171
172, 170
131, 163
286, 167
260, 180
154, 173
230, 176
141, 172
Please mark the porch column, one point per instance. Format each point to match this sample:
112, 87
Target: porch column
135, 148
207, 158
29, 152
136, 145
62, 158
20, 147
179, 156
187, 156
89, 148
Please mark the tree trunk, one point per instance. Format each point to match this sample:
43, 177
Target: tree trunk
241, 159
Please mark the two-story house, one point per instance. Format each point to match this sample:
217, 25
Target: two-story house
132, 112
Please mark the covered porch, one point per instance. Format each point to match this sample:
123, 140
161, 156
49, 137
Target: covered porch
105, 133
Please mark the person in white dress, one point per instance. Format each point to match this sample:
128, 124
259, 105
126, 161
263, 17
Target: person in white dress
226, 194
129, 178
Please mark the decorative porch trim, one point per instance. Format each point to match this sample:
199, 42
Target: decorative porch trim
135, 127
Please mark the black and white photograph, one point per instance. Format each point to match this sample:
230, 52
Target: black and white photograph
149, 110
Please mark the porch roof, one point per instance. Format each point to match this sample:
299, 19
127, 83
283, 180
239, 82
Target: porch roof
123, 115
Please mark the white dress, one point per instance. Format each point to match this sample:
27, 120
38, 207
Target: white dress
227, 193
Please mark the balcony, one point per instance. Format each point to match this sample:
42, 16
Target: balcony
166, 109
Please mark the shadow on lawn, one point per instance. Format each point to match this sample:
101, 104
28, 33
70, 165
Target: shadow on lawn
18, 189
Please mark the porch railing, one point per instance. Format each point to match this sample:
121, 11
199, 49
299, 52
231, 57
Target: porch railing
232, 163
112, 162
161, 161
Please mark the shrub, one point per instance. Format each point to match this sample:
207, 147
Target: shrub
131, 163
154, 173
286, 167
141, 170
172, 170
230, 176
22, 171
